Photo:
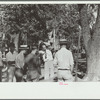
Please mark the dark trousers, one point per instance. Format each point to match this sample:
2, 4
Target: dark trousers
19, 74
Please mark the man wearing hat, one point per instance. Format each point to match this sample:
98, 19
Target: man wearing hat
64, 60
48, 62
20, 62
10, 57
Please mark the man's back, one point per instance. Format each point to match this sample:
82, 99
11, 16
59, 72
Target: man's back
64, 58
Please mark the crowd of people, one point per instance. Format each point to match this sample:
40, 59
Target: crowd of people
39, 64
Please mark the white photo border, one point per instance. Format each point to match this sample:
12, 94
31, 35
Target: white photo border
50, 90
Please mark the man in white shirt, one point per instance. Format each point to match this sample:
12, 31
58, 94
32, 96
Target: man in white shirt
20, 62
64, 60
48, 63
10, 57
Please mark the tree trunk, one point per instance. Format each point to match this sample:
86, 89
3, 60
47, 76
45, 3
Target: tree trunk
92, 45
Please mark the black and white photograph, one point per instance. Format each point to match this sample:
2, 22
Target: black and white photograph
50, 44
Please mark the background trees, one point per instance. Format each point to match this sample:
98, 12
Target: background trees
38, 20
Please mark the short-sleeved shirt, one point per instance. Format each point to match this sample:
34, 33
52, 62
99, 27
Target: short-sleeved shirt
20, 60
11, 56
63, 58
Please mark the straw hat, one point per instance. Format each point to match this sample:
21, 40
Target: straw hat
23, 47
63, 41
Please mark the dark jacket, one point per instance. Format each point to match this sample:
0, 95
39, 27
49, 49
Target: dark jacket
33, 62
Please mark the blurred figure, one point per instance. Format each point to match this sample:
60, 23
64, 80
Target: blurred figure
1, 64
4, 66
11, 56
33, 61
48, 63
20, 62
64, 60
41, 52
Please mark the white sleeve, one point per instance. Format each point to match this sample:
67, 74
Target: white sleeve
71, 59
55, 59
51, 57
17, 62
7, 57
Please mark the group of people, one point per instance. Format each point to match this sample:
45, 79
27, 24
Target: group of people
39, 62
